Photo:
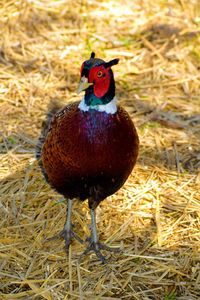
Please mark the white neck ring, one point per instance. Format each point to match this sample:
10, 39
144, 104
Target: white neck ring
109, 108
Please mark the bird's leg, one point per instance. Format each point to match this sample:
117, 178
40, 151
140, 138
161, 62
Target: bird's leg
67, 233
94, 244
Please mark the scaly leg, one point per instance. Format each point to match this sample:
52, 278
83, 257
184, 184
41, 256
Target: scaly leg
67, 233
94, 244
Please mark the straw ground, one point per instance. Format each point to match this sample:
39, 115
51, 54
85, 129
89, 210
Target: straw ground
155, 216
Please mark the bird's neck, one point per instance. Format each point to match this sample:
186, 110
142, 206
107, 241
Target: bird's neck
109, 108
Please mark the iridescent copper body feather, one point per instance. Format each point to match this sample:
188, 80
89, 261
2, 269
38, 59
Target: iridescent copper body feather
89, 155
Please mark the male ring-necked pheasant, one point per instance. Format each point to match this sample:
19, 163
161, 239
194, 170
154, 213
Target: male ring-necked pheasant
88, 149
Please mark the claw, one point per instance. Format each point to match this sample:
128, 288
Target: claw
97, 247
68, 235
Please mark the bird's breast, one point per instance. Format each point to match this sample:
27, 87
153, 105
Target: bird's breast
90, 145
95, 138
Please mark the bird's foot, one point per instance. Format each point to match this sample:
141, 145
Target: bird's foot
68, 235
97, 247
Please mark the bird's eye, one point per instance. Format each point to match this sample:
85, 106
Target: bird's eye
99, 74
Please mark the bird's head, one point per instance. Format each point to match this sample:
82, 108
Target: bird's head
97, 80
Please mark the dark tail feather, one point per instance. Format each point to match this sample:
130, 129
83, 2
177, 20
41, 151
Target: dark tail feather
53, 108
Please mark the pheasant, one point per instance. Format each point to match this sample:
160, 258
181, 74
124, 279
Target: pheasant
88, 149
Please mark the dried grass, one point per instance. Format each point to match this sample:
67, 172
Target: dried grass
155, 217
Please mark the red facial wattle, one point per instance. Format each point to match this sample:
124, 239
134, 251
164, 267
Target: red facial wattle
100, 77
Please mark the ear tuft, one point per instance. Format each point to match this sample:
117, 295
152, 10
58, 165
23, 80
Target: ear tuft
92, 55
111, 63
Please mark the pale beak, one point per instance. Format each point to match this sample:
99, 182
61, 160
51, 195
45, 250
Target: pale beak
83, 84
